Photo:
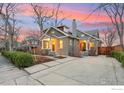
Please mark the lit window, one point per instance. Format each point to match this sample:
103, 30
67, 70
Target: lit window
46, 44
61, 44
91, 44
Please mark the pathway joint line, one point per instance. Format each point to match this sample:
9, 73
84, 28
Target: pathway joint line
114, 69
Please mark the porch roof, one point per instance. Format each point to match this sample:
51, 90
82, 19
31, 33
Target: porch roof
86, 35
63, 32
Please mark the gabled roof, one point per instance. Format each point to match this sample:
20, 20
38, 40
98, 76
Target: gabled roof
63, 32
89, 35
63, 26
67, 34
91, 32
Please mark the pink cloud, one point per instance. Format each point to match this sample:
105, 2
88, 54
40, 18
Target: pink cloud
26, 10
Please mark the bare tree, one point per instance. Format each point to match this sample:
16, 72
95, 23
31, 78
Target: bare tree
115, 11
41, 15
7, 12
57, 12
109, 36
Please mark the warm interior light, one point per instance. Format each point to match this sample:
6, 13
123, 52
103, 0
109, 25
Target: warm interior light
61, 44
47, 39
53, 42
46, 44
91, 44
84, 41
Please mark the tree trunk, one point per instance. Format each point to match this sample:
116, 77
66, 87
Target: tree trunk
10, 43
122, 42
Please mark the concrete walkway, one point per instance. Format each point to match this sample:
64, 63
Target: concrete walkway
99, 70
11, 75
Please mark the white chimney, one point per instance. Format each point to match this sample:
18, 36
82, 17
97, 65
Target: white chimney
74, 27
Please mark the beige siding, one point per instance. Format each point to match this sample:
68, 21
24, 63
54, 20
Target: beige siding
64, 50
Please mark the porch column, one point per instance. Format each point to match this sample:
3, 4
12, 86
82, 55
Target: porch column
87, 41
42, 44
50, 44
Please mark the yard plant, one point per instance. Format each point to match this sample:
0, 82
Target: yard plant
19, 59
119, 56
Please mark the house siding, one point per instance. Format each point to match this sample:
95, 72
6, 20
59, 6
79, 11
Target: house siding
54, 32
74, 48
65, 49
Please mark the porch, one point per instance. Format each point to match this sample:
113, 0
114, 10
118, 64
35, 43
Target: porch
88, 47
53, 46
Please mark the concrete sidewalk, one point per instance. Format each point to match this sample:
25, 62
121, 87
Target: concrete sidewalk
11, 75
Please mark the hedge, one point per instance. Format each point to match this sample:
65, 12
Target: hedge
119, 56
19, 59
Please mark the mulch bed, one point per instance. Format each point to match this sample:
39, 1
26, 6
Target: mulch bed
60, 57
42, 59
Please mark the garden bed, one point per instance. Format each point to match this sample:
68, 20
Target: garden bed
60, 57
42, 59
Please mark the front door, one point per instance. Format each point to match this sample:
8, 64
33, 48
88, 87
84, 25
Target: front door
53, 47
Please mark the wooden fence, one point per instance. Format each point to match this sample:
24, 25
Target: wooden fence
107, 50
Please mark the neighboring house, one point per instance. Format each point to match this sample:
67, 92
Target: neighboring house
2, 43
74, 42
5, 44
30, 42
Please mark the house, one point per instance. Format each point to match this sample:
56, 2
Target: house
29, 43
2, 43
65, 41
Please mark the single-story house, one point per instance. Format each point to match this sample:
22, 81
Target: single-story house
63, 41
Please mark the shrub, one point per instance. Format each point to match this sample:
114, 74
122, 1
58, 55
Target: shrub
119, 56
20, 59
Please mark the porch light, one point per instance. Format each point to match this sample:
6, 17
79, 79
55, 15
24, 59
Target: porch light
84, 41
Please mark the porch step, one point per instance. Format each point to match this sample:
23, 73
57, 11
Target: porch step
84, 53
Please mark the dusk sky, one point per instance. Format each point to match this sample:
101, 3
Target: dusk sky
71, 11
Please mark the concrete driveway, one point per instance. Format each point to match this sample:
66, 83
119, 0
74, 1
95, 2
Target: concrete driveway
99, 70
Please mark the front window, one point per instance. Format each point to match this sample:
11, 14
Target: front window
61, 44
46, 44
91, 44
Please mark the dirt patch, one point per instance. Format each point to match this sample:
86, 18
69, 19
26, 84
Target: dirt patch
42, 59
60, 57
